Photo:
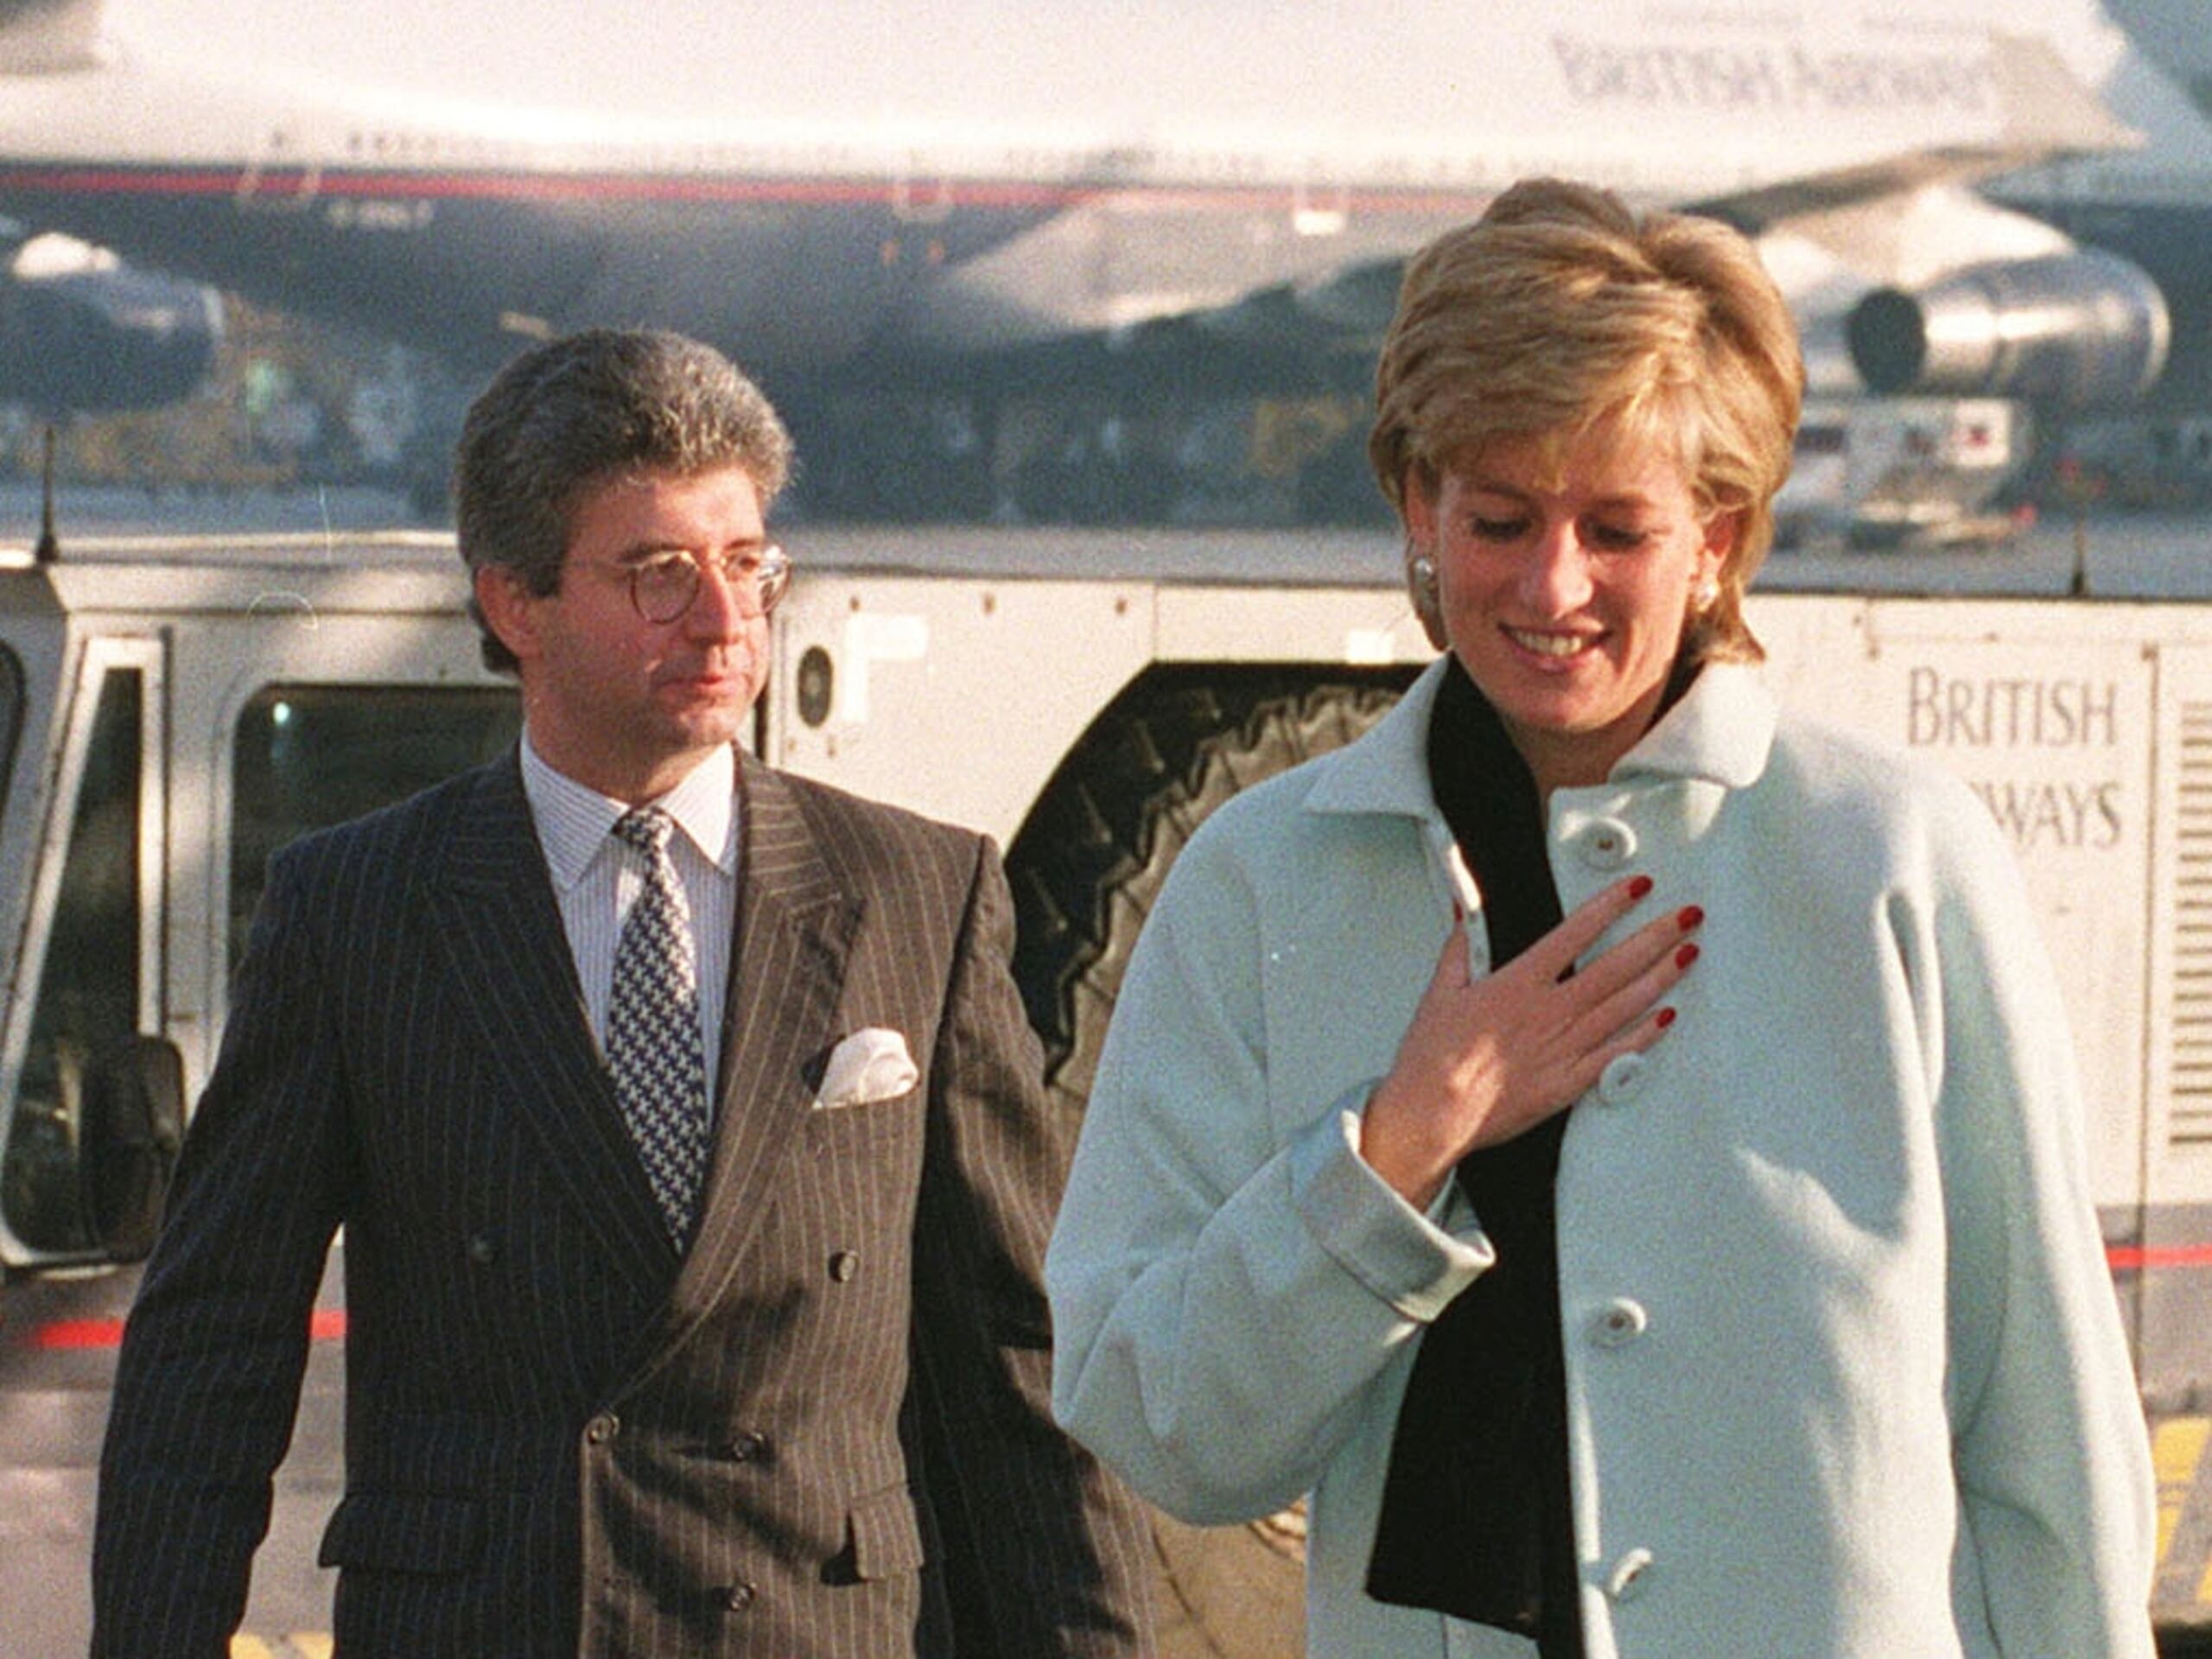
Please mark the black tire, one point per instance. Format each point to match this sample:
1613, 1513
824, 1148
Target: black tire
1091, 861
1086, 869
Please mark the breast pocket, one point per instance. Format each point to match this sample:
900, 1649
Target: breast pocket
881, 1142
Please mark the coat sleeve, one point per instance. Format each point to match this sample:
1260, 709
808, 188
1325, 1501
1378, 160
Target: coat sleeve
209, 1374
1224, 1294
1044, 1552
2052, 1461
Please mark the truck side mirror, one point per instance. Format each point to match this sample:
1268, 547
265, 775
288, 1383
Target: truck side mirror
133, 1125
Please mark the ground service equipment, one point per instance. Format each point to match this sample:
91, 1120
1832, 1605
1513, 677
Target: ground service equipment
173, 709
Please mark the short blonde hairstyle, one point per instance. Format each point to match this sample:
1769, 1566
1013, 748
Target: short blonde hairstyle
1560, 309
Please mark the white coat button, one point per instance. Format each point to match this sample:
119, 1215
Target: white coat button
1619, 1323
1630, 1576
1621, 1077
1606, 844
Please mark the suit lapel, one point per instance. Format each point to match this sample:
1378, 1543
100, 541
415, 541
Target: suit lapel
795, 929
515, 976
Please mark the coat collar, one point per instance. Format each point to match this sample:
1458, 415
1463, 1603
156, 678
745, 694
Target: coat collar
1720, 732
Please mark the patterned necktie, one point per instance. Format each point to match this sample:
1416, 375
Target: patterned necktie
653, 1046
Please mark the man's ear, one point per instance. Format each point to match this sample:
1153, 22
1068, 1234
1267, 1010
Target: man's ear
507, 608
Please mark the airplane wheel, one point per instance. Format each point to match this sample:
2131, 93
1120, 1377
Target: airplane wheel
1086, 871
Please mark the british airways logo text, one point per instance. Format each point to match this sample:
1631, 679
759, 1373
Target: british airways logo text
2012, 716
1761, 77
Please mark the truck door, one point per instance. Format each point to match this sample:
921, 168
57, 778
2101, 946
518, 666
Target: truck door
92, 945
89, 981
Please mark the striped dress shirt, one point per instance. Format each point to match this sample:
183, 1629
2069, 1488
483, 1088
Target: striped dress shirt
596, 879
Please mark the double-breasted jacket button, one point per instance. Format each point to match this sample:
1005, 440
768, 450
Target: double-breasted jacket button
1606, 843
1622, 1076
602, 1428
1620, 1322
739, 1596
481, 1250
746, 1446
1631, 1577
843, 1265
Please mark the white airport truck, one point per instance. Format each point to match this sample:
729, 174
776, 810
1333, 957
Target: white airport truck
172, 709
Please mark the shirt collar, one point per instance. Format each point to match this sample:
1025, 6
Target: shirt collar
573, 820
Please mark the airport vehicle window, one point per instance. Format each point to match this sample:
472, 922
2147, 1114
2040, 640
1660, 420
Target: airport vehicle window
311, 755
88, 989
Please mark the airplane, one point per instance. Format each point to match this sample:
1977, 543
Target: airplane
1073, 210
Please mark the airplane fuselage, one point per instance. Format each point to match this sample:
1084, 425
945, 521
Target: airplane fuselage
947, 226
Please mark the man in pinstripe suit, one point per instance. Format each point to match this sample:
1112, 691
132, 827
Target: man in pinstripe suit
792, 1403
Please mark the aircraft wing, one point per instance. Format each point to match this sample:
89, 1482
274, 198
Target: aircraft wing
1898, 216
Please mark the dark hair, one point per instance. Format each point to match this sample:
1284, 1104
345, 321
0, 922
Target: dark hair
569, 415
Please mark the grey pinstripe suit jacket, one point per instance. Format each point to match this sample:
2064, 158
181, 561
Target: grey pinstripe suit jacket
822, 1430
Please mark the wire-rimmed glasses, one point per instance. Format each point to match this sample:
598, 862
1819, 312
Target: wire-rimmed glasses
664, 587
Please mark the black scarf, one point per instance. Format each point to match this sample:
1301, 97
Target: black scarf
1476, 1518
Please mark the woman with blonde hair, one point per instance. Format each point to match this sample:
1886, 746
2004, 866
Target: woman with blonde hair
1611, 1142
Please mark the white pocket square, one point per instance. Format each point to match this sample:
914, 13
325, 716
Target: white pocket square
870, 1065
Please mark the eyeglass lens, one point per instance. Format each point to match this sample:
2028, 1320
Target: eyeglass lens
664, 588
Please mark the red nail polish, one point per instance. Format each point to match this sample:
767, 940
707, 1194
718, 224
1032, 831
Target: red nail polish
1688, 917
1666, 1018
1686, 956
1638, 886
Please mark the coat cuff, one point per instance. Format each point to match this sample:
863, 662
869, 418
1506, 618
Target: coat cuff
1401, 1255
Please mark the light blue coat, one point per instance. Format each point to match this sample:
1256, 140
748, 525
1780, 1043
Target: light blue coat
1844, 1373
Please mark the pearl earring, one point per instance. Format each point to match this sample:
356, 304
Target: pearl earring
1422, 571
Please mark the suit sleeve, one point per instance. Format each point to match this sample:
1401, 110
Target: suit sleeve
1044, 1553
2052, 1462
209, 1374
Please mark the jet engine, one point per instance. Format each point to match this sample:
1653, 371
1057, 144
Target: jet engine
2076, 328
97, 336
